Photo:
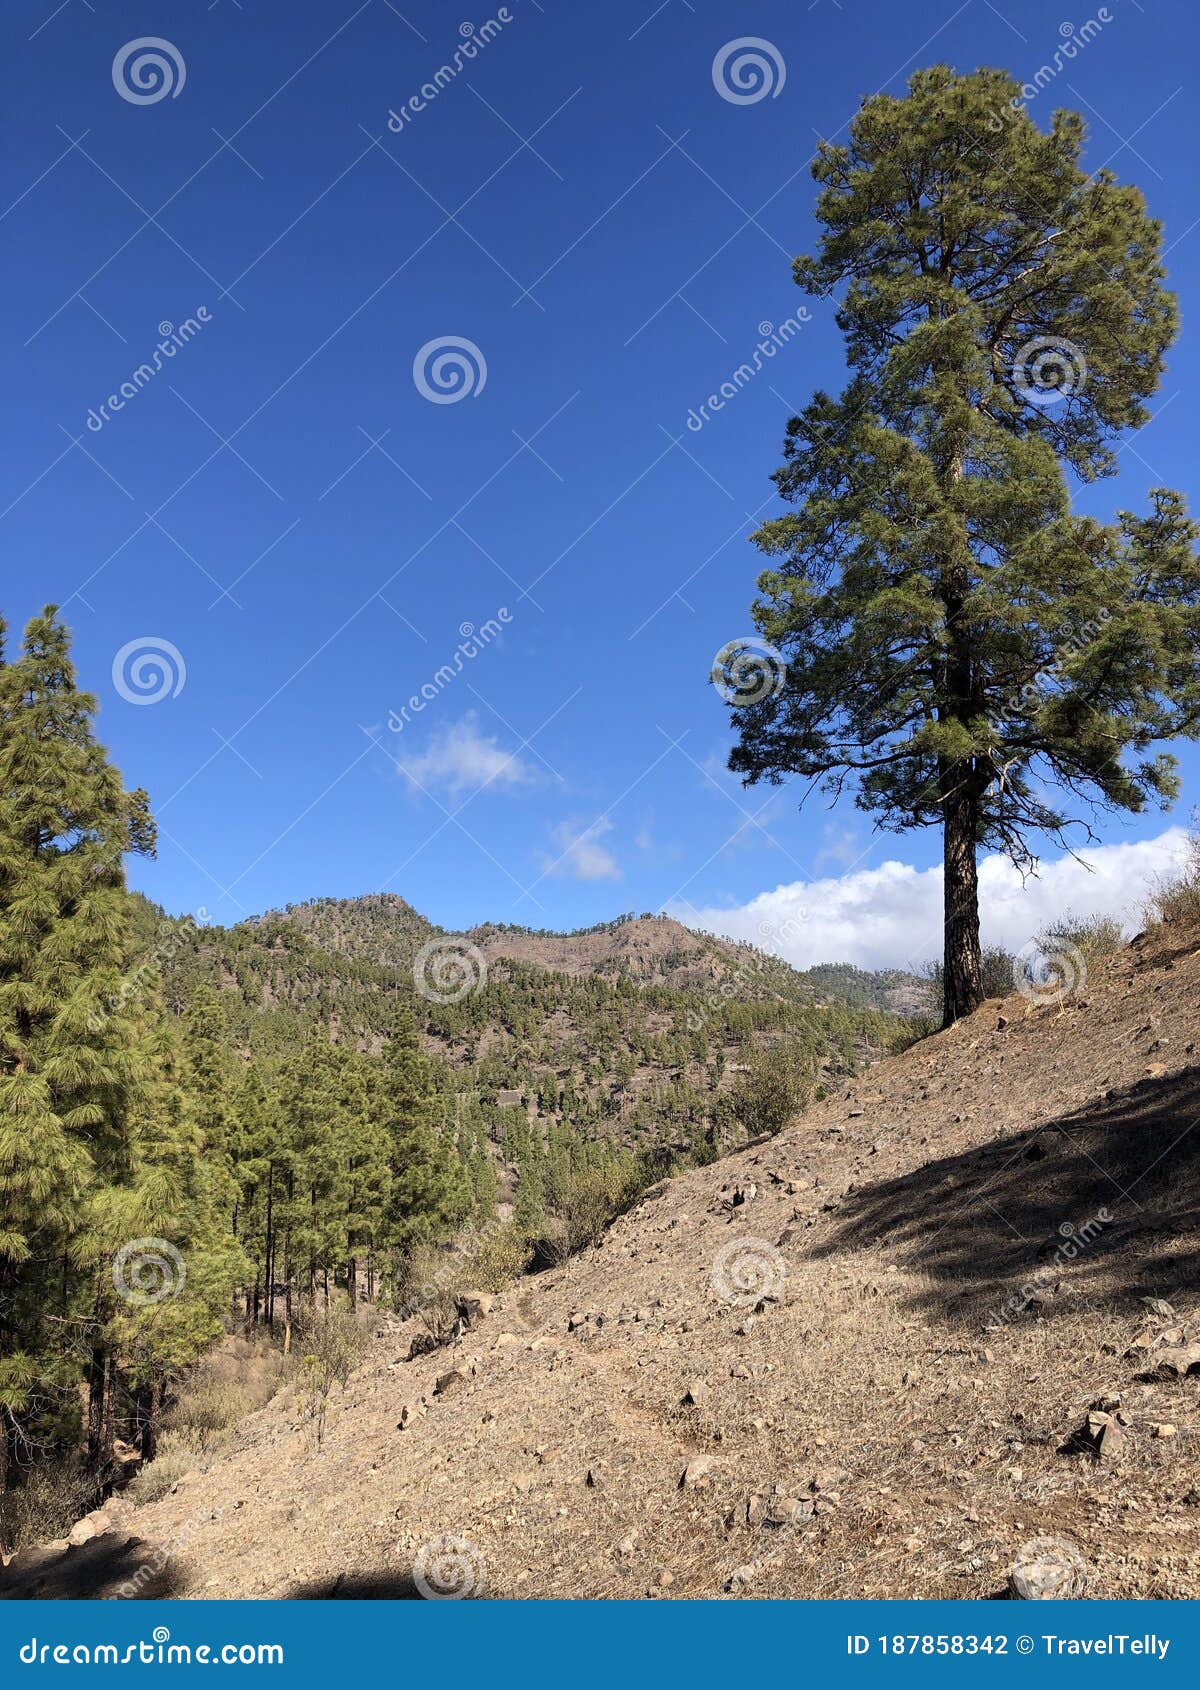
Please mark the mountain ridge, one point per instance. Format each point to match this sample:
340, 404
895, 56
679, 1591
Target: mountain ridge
868, 1358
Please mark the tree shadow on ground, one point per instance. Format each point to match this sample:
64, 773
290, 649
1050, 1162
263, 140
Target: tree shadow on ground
359, 1587
1103, 1202
113, 1566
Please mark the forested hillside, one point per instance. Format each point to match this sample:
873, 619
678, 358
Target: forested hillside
666, 1071
206, 1128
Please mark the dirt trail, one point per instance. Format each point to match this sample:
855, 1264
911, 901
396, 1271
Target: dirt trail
957, 1252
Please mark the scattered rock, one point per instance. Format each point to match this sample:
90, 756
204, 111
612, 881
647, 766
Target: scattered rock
449, 1384
791, 1510
697, 1472
1164, 1430
1047, 1570
1177, 1362
475, 1305
696, 1393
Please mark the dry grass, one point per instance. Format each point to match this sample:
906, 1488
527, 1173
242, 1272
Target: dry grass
45, 1503
932, 1350
1177, 898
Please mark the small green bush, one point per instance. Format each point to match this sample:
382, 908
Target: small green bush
1177, 898
1091, 936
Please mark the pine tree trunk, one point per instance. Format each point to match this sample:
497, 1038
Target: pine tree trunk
100, 1426
153, 1419
962, 978
352, 1283
269, 1245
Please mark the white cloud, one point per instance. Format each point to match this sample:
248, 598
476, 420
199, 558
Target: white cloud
580, 853
891, 916
460, 757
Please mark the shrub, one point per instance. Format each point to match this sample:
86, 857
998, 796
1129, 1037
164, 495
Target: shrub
1092, 936
997, 972
494, 1257
179, 1452
44, 1502
207, 1407
1178, 897
773, 1090
331, 1346
427, 1284
581, 1200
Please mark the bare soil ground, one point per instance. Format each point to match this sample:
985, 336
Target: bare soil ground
980, 1242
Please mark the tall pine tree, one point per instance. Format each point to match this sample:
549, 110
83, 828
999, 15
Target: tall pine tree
959, 646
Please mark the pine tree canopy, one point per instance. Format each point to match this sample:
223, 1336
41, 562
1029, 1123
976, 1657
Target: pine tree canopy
949, 638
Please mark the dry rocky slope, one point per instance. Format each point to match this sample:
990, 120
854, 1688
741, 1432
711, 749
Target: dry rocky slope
981, 1304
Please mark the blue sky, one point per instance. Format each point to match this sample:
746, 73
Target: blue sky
285, 508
